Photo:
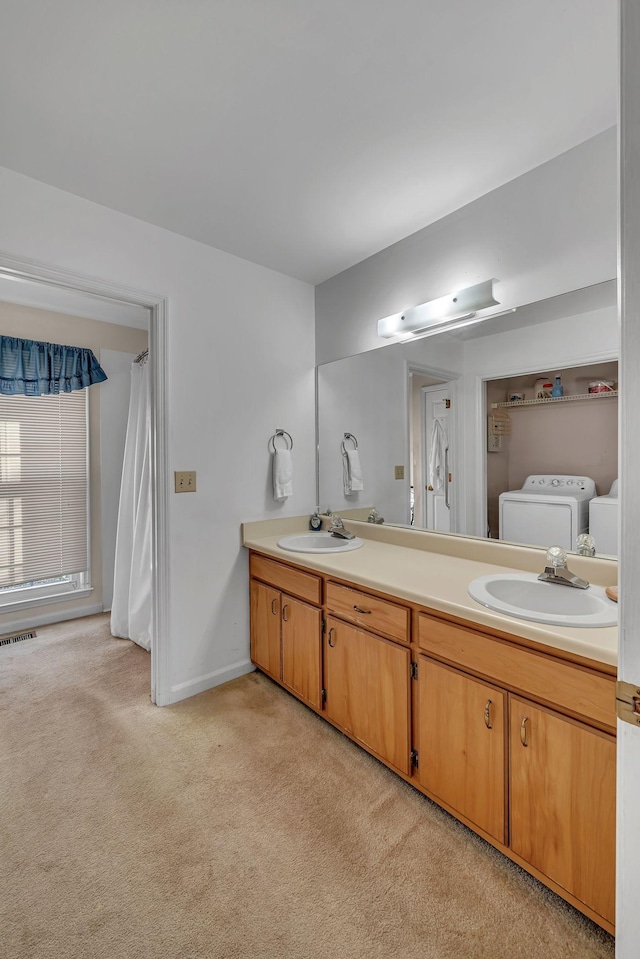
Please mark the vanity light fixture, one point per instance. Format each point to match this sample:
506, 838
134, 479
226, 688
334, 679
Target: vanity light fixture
469, 319
447, 312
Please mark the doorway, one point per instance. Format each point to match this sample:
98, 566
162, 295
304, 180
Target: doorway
432, 449
39, 285
437, 457
574, 433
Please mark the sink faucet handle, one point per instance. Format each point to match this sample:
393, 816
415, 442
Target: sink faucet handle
557, 557
556, 570
585, 545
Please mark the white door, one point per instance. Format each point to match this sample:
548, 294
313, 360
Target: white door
628, 819
437, 473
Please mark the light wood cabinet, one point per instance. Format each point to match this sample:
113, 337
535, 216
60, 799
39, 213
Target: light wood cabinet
582, 692
563, 781
517, 741
556, 774
296, 582
462, 745
367, 688
301, 650
265, 629
286, 633
369, 611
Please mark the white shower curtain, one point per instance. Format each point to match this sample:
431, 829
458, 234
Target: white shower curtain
131, 607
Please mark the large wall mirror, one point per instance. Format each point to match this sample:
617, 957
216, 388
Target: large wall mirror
436, 445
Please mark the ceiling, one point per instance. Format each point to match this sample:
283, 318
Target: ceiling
304, 135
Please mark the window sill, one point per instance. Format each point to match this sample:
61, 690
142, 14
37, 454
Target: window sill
70, 596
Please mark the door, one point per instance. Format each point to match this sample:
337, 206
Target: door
367, 683
462, 746
265, 628
563, 802
301, 649
437, 454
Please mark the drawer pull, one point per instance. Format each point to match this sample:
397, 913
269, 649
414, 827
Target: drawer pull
284, 613
359, 609
523, 731
273, 606
487, 715
330, 637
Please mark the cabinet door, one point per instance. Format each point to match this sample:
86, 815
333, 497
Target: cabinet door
563, 778
462, 744
265, 629
301, 649
367, 683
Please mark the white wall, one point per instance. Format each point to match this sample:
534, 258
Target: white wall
549, 231
241, 355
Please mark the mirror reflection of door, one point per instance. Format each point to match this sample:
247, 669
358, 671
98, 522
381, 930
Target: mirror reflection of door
437, 446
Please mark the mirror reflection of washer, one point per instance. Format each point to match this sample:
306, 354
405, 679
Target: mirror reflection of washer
603, 522
549, 510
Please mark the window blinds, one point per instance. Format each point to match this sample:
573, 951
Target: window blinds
43, 487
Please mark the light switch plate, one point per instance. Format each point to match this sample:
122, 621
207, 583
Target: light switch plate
185, 481
399, 472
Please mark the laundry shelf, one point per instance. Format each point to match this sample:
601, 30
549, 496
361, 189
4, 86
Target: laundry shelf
558, 399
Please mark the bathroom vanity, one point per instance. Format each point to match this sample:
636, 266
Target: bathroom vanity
507, 724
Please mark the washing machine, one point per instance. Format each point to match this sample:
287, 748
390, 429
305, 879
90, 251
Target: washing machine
603, 521
549, 510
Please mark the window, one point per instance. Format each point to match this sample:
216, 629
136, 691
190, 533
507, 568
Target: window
43, 497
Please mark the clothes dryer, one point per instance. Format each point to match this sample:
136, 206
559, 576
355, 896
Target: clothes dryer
603, 521
549, 510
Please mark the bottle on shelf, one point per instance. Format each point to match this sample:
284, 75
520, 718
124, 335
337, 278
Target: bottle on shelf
558, 389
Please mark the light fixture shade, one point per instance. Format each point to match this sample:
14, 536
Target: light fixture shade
454, 306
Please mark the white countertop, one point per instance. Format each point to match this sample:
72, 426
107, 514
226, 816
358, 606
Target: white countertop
437, 580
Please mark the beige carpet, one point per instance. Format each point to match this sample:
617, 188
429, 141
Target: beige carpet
234, 824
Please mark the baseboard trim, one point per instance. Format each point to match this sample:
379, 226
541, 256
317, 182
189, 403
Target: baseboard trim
47, 619
194, 686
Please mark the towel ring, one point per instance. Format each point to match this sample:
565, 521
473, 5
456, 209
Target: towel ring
349, 436
272, 441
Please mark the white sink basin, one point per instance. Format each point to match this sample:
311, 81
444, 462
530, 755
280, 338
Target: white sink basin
318, 543
524, 596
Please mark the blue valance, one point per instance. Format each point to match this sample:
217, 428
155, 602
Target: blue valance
32, 368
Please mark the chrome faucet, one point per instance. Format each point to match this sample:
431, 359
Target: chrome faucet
337, 528
375, 517
556, 570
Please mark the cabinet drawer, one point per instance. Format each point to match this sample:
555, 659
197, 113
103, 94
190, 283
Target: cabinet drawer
303, 585
377, 615
581, 692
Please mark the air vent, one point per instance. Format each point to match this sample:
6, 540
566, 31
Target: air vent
7, 640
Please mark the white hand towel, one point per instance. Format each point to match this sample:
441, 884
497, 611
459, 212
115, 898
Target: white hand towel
437, 456
351, 472
282, 474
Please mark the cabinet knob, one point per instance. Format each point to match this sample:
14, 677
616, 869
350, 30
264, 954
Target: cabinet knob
330, 638
359, 609
487, 715
284, 613
523, 731
273, 606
